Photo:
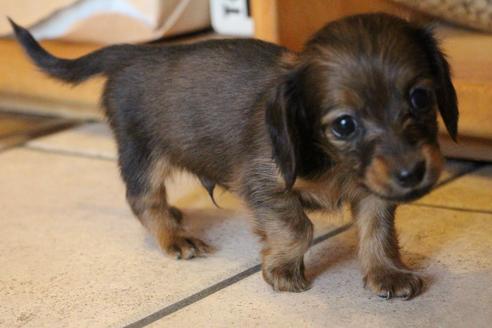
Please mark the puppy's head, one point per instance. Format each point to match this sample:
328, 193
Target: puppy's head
365, 94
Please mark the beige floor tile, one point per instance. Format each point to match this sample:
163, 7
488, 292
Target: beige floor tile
472, 191
93, 139
72, 254
452, 250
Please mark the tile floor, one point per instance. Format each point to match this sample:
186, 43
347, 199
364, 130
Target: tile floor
72, 254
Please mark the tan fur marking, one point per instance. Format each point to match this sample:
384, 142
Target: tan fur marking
434, 160
162, 220
329, 190
289, 58
377, 175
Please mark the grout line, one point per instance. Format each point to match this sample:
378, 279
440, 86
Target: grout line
69, 153
194, 298
451, 208
219, 286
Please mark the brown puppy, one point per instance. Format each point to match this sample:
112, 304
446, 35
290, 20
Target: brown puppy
351, 119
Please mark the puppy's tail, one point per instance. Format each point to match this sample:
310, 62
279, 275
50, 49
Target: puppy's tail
77, 70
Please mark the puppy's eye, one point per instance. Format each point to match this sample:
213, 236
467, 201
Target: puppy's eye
344, 127
421, 99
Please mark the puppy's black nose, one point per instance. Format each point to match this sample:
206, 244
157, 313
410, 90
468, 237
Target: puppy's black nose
408, 178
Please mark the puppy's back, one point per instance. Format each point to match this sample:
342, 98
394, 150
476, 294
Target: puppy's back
197, 101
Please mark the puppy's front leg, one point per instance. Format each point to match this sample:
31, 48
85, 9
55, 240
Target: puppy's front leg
287, 234
379, 253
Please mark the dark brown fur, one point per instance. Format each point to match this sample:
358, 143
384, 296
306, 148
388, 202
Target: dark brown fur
259, 120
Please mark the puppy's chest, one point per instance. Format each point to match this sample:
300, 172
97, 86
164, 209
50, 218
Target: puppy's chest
326, 194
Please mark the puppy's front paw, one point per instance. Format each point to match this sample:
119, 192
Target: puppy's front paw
183, 247
287, 279
388, 283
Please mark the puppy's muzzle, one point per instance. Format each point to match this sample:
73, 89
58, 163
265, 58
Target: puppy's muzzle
399, 180
410, 176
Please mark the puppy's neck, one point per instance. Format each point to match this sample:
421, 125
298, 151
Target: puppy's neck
330, 190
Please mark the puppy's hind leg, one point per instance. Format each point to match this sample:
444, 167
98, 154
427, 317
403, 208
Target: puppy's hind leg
146, 194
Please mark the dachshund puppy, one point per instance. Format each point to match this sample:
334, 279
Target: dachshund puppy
351, 119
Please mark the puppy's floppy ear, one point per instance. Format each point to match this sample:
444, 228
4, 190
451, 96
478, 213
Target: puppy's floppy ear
284, 110
445, 92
